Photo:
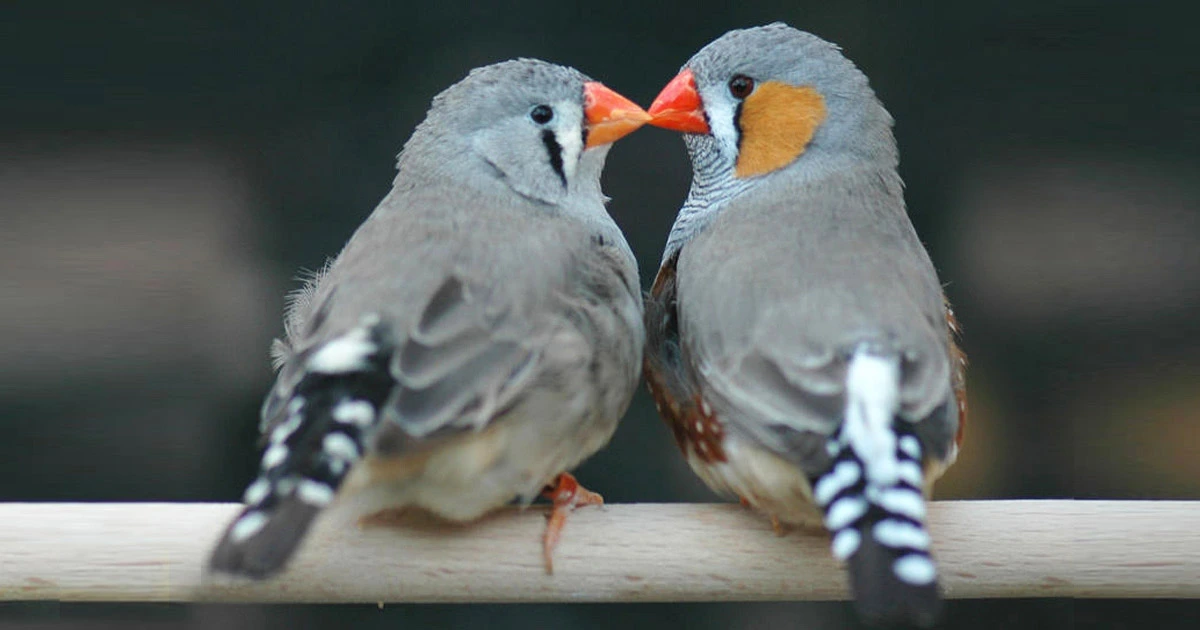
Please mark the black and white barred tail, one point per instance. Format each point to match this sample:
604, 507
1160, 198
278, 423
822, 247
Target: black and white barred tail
873, 502
330, 412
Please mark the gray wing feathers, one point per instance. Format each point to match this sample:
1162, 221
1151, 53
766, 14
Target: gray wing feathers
458, 367
471, 316
775, 348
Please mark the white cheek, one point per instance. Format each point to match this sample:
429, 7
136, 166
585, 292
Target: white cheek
571, 141
570, 137
721, 110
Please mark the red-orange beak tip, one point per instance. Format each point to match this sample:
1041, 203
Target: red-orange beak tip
609, 115
678, 106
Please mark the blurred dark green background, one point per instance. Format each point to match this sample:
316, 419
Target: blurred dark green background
166, 169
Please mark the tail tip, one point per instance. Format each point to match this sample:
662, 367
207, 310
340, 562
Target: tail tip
914, 610
259, 543
895, 592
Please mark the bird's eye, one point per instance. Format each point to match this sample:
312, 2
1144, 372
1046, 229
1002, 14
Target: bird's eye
541, 114
741, 86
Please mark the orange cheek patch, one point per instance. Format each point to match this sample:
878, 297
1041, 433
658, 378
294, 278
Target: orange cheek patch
778, 121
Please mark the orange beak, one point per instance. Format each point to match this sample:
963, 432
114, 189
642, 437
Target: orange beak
609, 115
678, 106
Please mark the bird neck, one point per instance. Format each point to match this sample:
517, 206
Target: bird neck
713, 185
713, 189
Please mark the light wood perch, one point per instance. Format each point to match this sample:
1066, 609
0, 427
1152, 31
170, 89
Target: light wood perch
154, 552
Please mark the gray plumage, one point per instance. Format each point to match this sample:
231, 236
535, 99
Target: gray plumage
835, 264
499, 298
858, 131
797, 311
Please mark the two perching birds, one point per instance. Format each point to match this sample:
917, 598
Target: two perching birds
481, 333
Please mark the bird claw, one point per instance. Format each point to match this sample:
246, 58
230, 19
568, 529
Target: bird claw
566, 494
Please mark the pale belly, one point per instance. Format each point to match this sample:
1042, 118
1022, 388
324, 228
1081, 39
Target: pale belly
764, 480
773, 485
471, 475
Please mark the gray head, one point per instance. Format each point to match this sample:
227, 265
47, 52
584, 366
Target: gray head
772, 99
539, 129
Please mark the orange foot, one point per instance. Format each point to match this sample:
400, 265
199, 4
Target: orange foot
566, 494
780, 528
388, 517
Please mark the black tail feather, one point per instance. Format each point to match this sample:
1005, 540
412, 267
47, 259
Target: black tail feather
881, 596
265, 552
331, 411
879, 530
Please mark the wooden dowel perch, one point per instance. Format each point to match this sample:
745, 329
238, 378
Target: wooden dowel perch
153, 552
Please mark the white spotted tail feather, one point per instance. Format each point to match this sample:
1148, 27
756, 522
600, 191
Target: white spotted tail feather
329, 415
873, 501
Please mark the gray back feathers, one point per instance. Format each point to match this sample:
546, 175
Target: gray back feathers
489, 286
783, 275
472, 268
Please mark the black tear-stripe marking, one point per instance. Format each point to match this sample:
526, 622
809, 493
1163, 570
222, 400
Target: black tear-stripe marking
555, 151
737, 124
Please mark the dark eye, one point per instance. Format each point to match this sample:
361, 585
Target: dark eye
741, 86
541, 114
